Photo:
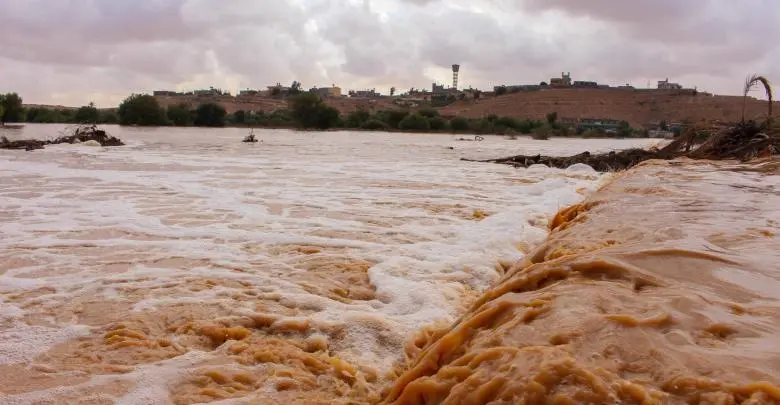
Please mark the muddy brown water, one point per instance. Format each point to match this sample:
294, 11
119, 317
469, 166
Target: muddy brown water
662, 288
184, 268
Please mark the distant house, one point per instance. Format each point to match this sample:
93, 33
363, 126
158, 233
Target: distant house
440, 90
277, 89
165, 93
666, 85
332, 91
561, 82
470, 94
568, 122
519, 87
585, 85
210, 92
364, 93
606, 125
418, 95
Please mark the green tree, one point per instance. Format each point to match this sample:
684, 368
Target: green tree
305, 109
282, 114
210, 115
552, 119
42, 115
664, 126
459, 124
542, 133
357, 118
328, 117
428, 112
108, 117
141, 109
624, 129
483, 126
374, 124
295, 87
87, 114
278, 118
500, 90
393, 117
309, 111
13, 110
180, 115
239, 117
437, 123
63, 115
414, 122
392, 91
2, 113
508, 122
525, 126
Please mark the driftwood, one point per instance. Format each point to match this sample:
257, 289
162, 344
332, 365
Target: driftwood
81, 133
602, 162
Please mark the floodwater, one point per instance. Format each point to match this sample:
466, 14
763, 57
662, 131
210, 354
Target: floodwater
188, 267
661, 288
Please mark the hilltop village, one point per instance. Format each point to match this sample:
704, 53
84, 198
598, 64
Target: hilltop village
560, 106
578, 104
450, 100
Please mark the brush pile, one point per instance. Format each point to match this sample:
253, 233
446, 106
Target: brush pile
742, 141
605, 162
79, 134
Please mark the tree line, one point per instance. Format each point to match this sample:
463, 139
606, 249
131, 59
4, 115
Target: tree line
12, 110
305, 110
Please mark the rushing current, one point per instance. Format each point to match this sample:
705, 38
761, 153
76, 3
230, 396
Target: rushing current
188, 267
660, 288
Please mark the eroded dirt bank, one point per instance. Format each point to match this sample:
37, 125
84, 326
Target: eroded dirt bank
662, 288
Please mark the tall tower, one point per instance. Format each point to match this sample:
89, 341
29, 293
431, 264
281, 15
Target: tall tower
455, 71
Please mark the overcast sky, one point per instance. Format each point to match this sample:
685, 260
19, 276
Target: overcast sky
72, 52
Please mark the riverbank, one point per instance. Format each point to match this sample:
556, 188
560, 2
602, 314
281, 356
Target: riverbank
662, 287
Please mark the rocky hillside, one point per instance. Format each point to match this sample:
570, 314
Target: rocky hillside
638, 107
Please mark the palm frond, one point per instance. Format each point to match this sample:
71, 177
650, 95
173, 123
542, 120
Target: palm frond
751, 82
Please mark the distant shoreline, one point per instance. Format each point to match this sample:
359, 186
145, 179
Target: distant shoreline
357, 130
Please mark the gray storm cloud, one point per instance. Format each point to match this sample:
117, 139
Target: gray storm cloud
73, 52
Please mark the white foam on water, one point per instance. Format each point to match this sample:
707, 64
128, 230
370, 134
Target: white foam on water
20, 342
150, 383
580, 167
434, 228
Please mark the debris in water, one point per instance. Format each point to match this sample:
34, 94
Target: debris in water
476, 138
90, 134
250, 138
